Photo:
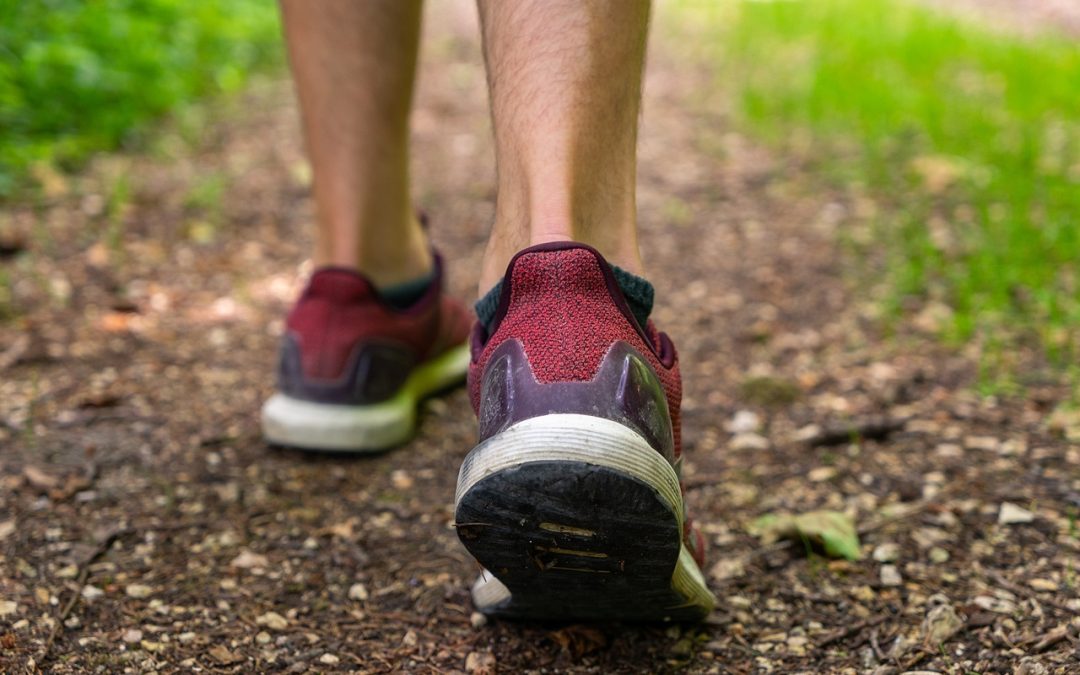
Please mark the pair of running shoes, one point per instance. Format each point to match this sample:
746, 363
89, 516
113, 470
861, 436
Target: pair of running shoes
572, 500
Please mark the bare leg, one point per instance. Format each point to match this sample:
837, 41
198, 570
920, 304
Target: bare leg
354, 64
565, 82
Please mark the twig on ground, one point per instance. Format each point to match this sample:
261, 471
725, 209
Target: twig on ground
882, 656
80, 583
906, 512
872, 429
838, 635
1030, 593
916, 659
1051, 638
767, 549
792, 595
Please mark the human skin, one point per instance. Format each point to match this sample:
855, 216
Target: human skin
564, 79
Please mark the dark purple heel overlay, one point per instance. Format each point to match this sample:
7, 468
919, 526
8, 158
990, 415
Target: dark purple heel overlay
373, 373
625, 390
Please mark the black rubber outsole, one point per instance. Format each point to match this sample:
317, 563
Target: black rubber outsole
572, 540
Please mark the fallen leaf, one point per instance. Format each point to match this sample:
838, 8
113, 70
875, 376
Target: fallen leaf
941, 623
222, 655
247, 560
72, 483
345, 530
833, 530
39, 479
481, 663
116, 322
579, 640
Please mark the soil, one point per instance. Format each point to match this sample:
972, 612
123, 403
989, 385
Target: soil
145, 526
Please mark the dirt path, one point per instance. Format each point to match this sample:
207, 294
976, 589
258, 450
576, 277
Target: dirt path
1023, 17
144, 525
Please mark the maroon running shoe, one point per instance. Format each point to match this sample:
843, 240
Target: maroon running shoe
352, 368
572, 500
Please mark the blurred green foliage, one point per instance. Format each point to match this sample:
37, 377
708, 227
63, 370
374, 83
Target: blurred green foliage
79, 76
966, 139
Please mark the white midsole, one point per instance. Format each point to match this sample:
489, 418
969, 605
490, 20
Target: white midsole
359, 428
573, 438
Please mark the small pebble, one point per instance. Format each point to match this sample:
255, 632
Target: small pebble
478, 620
358, 592
890, 576
68, 572
138, 591
938, 555
745, 421
273, 621
949, 450
864, 593
401, 480
987, 443
92, 593
1011, 514
821, 474
748, 441
887, 552
992, 604
329, 659
8, 607
132, 636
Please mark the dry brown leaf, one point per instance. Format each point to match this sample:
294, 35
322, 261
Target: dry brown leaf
39, 479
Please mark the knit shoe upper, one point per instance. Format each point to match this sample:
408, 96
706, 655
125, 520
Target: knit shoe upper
353, 368
345, 345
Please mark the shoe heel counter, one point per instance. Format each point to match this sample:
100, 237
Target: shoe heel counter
371, 373
624, 389
566, 313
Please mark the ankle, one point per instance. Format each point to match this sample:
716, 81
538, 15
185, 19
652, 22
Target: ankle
385, 260
617, 243
636, 290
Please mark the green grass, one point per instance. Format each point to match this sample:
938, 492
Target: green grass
967, 140
82, 76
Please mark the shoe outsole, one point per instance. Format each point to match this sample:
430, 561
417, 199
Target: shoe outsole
577, 517
325, 427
